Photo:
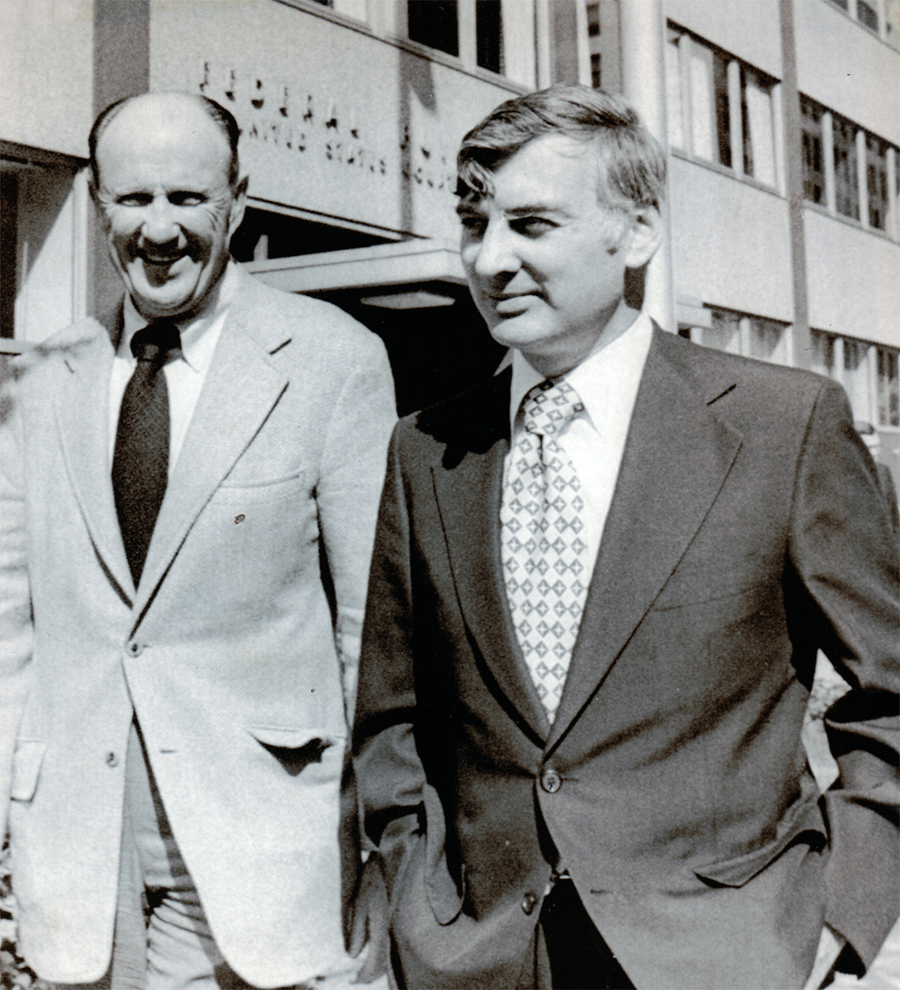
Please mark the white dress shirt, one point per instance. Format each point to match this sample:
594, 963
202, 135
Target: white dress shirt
185, 370
607, 383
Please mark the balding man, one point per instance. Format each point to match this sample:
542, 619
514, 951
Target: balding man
188, 491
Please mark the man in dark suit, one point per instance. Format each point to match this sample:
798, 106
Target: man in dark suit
188, 492
599, 584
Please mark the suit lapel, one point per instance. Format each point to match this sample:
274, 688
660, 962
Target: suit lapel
468, 487
82, 417
241, 387
676, 459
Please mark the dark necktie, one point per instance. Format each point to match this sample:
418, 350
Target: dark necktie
141, 458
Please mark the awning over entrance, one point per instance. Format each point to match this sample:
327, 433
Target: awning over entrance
378, 269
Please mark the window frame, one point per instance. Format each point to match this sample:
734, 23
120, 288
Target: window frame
725, 104
387, 22
859, 143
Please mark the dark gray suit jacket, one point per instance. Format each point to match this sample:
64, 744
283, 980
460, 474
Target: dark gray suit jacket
746, 532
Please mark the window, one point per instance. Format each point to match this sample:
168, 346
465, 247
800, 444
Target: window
831, 155
877, 181
822, 353
349, 8
737, 333
9, 202
881, 17
765, 337
856, 376
720, 110
846, 179
673, 90
603, 47
489, 34
888, 388
870, 374
434, 23
725, 332
499, 38
757, 127
709, 105
813, 157
866, 15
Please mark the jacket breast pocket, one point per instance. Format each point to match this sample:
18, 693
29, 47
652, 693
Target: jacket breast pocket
683, 594
235, 492
27, 760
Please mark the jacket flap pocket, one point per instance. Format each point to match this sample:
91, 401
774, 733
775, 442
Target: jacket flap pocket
281, 737
296, 749
806, 817
27, 759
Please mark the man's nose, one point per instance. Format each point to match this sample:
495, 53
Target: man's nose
160, 222
496, 252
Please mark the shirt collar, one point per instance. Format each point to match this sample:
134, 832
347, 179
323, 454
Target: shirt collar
606, 381
197, 344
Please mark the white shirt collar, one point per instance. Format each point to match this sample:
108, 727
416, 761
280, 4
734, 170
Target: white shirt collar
197, 345
606, 381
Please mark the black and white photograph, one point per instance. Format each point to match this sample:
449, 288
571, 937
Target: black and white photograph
449, 531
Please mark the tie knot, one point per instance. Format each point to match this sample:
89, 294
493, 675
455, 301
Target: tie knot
549, 406
155, 341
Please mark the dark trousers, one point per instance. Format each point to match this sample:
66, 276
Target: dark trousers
569, 952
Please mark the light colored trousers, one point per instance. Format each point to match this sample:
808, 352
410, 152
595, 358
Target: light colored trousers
175, 949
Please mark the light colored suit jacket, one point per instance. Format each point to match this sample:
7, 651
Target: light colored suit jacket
230, 652
746, 531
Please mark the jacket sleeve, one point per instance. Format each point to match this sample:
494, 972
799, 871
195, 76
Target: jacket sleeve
15, 597
347, 492
845, 553
389, 776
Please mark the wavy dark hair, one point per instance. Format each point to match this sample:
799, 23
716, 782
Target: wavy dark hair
631, 164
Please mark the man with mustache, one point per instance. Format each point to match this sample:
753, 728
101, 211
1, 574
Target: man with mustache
599, 585
188, 490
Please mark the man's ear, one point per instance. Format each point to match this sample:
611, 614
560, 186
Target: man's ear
238, 205
94, 192
92, 188
645, 235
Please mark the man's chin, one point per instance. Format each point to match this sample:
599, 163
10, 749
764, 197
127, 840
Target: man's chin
155, 303
516, 331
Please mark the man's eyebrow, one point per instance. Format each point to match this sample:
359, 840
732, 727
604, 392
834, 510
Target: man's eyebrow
531, 209
468, 207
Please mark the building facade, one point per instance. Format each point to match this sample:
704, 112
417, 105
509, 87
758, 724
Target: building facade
781, 118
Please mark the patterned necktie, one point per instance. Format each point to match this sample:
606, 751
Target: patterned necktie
141, 458
544, 557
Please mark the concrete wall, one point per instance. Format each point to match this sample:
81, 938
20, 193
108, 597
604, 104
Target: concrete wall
748, 29
844, 66
46, 73
338, 121
854, 280
730, 242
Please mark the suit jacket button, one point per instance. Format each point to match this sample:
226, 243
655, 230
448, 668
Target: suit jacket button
112, 760
551, 781
135, 648
529, 902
